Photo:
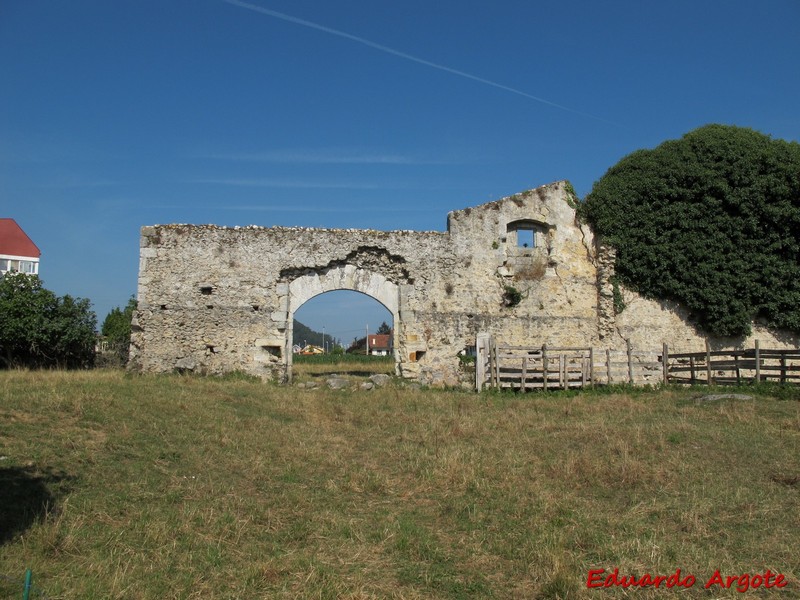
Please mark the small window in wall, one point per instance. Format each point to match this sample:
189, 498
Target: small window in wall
526, 238
416, 356
526, 234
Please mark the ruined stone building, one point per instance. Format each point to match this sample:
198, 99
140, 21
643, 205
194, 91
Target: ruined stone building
217, 299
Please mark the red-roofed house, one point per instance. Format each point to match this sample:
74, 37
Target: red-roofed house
380, 344
17, 251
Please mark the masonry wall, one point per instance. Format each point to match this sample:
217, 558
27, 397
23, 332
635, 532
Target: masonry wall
215, 299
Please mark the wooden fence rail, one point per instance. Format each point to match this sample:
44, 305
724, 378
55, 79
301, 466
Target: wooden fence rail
545, 368
549, 367
721, 367
527, 368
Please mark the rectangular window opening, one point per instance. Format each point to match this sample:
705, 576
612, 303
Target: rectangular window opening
272, 350
526, 238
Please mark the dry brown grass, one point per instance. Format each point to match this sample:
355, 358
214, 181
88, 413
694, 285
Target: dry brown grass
176, 487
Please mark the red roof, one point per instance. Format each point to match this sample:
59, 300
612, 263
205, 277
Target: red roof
380, 341
15, 242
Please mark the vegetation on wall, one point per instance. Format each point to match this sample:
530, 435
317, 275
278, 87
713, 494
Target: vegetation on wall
572, 196
709, 220
39, 329
511, 296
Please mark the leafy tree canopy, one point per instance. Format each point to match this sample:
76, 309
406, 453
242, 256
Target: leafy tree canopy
117, 324
710, 220
39, 329
116, 328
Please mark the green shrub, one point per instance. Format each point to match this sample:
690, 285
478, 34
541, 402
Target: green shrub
709, 220
39, 329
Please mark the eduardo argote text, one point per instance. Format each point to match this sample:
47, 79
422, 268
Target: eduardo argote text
600, 578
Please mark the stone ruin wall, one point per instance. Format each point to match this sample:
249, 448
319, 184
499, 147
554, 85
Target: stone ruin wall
215, 299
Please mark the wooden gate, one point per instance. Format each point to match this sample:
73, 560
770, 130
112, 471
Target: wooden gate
528, 368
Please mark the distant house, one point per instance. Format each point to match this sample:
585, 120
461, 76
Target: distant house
17, 252
312, 349
380, 344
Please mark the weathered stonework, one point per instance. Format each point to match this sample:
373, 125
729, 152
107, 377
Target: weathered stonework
215, 299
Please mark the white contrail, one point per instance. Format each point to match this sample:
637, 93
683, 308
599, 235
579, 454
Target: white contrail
387, 50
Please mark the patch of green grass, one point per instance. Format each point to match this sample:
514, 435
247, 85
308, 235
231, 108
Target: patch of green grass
319, 366
182, 487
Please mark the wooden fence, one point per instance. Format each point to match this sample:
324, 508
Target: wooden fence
542, 368
721, 367
527, 368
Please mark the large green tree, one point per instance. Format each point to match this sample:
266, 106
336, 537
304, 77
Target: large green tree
710, 220
39, 329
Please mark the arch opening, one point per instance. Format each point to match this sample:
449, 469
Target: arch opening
362, 294
344, 332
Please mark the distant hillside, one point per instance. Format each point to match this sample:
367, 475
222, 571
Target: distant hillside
304, 334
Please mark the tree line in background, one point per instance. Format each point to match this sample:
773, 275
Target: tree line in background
116, 332
710, 220
304, 335
40, 330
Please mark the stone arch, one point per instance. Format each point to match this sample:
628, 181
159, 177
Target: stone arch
344, 277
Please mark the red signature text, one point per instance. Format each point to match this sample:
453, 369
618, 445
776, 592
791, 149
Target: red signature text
600, 578
614, 579
746, 581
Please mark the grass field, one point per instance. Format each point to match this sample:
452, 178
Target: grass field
133, 487
318, 367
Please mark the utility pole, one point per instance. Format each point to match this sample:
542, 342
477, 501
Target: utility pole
366, 341
323, 339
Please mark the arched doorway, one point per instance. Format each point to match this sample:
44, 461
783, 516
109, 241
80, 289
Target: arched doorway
347, 277
342, 332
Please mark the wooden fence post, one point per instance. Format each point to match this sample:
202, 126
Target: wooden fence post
524, 374
630, 360
480, 348
708, 363
492, 363
544, 367
591, 367
665, 363
758, 362
608, 366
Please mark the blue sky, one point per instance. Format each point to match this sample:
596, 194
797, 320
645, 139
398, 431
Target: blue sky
365, 114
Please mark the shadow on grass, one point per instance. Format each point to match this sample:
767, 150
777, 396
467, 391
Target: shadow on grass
27, 495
